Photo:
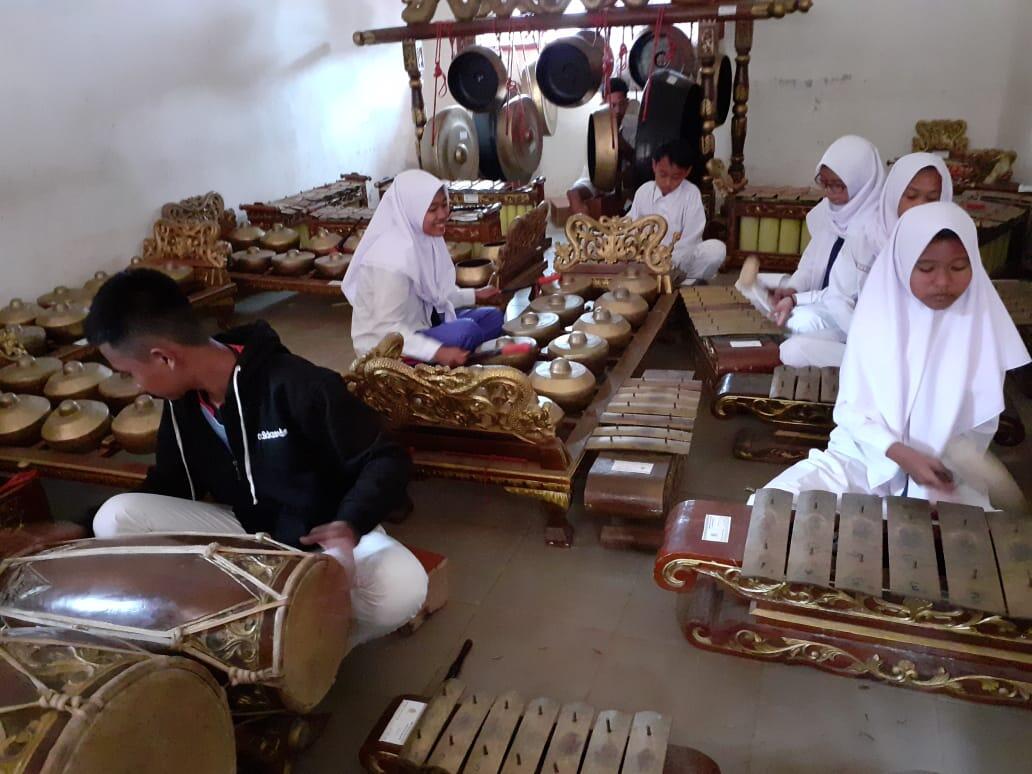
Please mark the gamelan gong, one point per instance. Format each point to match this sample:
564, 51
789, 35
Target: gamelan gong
604, 149
724, 87
510, 141
674, 112
569, 70
549, 110
478, 79
673, 51
449, 148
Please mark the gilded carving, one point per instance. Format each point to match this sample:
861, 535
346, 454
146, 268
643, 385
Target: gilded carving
10, 349
494, 399
776, 410
940, 135
209, 206
194, 242
236, 643
903, 673
910, 611
465, 10
614, 240
419, 11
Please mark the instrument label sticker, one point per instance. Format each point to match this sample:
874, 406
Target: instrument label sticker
717, 528
403, 721
471, 198
727, 10
463, 135
746, 343
629, 466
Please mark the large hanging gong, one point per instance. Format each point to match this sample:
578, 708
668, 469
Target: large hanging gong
478, 79
510, 141
569, 70
724, 87
674, 51
548, 110
671, 110
603, 149
449, 147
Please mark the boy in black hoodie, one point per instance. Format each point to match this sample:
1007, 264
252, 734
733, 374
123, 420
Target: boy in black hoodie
256, 439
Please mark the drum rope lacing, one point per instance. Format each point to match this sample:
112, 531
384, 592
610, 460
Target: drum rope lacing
176, 638
48, 698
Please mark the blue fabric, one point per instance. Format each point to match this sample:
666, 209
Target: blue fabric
831, 261
471, 328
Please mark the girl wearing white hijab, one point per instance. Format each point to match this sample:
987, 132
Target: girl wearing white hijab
402, 279
915, 179
852, 174
927, 373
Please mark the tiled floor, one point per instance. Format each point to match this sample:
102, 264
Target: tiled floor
590, 624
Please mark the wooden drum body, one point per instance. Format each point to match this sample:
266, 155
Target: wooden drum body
71, 702
260, 612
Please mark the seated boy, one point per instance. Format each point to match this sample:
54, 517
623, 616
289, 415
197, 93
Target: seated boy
584, 197
679, 202
256, 439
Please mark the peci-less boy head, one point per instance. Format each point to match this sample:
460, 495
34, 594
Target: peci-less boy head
672, 162
144, 325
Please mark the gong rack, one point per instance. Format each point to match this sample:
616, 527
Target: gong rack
474, 18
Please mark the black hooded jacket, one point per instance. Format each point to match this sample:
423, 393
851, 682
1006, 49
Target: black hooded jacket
303, 451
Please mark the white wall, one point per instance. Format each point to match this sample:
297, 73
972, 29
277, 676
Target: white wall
113, 107
872, 67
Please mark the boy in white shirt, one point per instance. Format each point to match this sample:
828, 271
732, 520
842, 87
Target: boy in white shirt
679, 202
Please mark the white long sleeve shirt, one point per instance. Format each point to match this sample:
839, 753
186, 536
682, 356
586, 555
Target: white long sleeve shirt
683, 211
813, 263
388, 304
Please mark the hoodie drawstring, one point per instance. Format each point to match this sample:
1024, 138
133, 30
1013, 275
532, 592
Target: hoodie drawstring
182, 451
243, 437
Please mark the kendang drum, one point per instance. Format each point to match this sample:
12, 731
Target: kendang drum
258, 611
72, 703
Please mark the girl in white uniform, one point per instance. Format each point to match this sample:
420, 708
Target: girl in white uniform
402, 279
927, 372
915, 179
852, 174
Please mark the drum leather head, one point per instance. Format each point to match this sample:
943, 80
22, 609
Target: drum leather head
163, 714
450, 148
315, 633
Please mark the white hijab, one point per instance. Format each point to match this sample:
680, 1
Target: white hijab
395, 241
874, 232
859, 164
927, 376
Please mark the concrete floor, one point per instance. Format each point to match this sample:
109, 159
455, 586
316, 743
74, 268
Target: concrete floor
590, 624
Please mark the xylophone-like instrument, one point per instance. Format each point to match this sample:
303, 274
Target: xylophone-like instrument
459, 730
931, 597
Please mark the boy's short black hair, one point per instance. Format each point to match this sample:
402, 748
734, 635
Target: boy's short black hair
681, 153
618, 84
142, 304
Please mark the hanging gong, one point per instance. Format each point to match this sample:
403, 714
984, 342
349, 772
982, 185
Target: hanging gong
674, 51
549, 111
672, 110
478, 79
603, 149
449, 146
569, 70
511, 141
723, 87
